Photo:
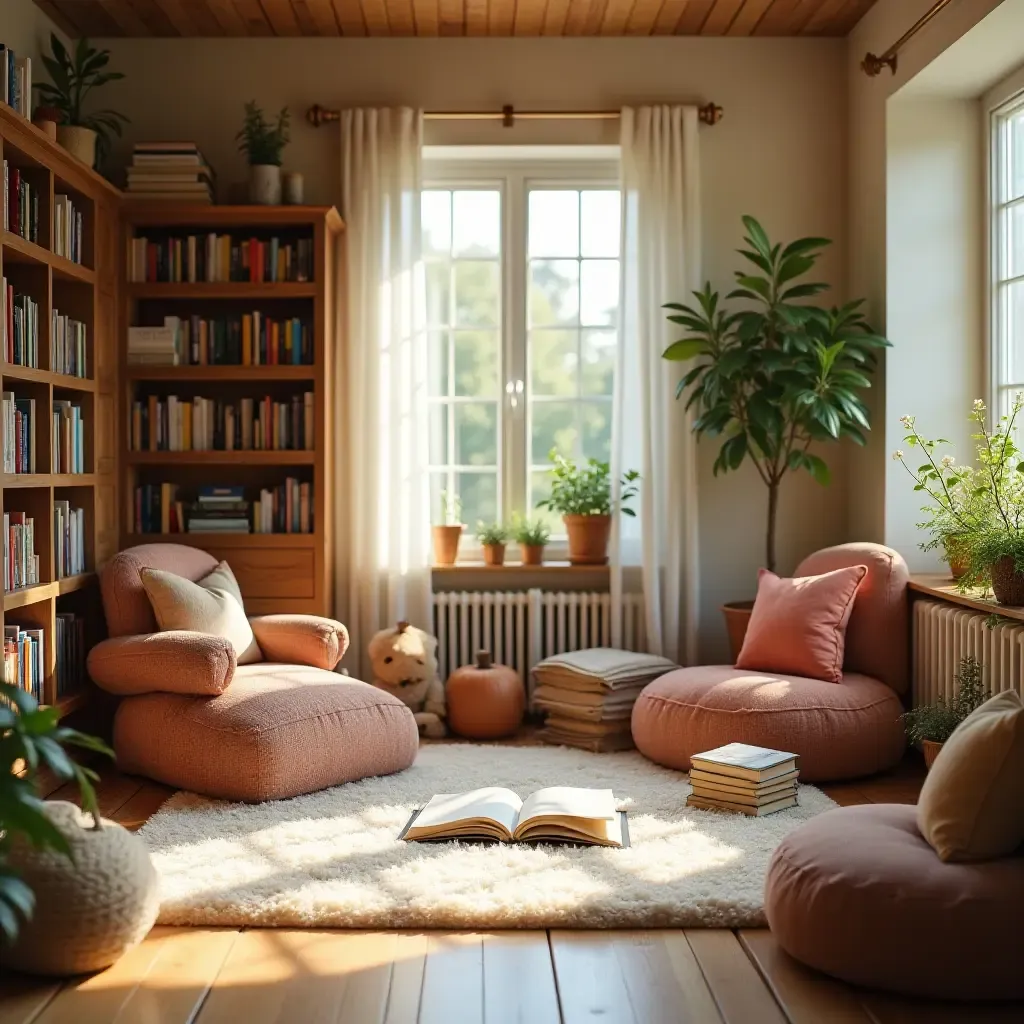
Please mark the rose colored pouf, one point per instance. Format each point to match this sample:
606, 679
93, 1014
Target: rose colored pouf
859, 894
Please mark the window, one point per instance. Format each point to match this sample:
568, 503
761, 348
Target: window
522, 271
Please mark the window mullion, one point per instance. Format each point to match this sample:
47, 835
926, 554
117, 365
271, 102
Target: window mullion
516, 359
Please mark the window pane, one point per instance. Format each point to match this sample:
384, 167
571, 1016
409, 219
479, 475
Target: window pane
554, 224
554, 292
477, 294
438, 277
1012, 318
552, 425
554, 362
436, 218
476, 434
598, 362
479, 494
596, 430
437, 363
438, 433
539, 489
1015, 144
599, 292
438, 485
476, 363
599, 228
1015, 240
477, 223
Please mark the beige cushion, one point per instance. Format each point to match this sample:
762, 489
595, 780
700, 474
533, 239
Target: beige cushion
212, 605
604, 664
972, 804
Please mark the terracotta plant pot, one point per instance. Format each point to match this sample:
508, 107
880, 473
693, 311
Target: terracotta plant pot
79, 142
1007, 582
531, 554
485, 701
930, 749
588, 539
494, 554
737, 618
446, 544
956, 557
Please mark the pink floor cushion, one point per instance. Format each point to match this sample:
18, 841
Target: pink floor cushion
277, 731
858, 893
840, 730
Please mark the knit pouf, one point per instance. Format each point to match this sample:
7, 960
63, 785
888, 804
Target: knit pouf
90, 909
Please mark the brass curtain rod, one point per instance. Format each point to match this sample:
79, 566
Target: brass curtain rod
709, 113
872, 65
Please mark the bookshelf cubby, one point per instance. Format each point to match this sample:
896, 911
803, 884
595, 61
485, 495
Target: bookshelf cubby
277, 572
85, 290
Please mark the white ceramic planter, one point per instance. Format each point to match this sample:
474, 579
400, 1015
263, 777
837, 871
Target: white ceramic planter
79, 142
265, 184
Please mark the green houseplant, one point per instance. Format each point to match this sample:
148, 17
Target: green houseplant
930, 725
447, 531
531, 535
582, 496
74, 75
263, 141
493, 537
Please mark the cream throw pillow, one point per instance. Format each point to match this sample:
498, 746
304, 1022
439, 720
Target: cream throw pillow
972, 803
213, 606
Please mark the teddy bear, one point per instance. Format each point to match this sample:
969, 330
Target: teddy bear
404, 661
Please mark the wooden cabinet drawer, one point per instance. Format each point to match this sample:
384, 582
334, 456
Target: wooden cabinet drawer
270, 572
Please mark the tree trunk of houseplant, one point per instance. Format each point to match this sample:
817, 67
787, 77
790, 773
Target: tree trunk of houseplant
588, 539
265, 184
494, 554
531, 554
446, 544
79, 142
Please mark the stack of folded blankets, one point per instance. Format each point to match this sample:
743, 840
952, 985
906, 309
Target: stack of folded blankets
589, 695
743, 779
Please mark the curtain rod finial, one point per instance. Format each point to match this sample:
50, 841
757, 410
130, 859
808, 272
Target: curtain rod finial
872, 65
317, 115
710, 113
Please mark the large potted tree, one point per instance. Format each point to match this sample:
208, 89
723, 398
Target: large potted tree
774, 376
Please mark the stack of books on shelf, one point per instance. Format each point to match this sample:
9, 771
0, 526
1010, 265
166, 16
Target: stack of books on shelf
589, 695
68, 346
16, 81
153, 346
68, 438
70, 651
67, 229
20, 318
217, 259
68, 539
19, 417
21, 209
287, 508
170, 171
219, 510
208, 424
24, 659
156, 509
21, 563
744, 780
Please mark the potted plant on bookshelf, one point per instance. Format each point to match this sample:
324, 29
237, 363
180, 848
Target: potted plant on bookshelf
59, 914
447, 533
493, 537
930, 725
263, 142
531, 536
775, 377
75, 74
582, 496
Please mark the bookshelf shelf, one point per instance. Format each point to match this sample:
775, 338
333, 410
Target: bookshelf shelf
20, 250
25, 481
25, 596
72, 584
252, 292
201, 374
30, 375
217, 458
228, 540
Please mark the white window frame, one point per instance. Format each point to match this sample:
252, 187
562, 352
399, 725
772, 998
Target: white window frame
513, 171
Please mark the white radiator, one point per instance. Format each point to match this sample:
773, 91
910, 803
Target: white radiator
520, 628
944, 633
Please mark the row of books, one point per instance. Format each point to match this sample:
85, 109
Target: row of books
251, 339
68, 539
21, 563
287, 508
170, 171
19, 417
67, 439
743, 779
70, 653
67, 229
16, 81
20, 326
214, 258
68, 346
21, 204
25, 653
207, 424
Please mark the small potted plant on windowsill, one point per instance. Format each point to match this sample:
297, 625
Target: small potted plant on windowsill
263, 142
582, 495
493, 537
448, 532
532, 535
930, 725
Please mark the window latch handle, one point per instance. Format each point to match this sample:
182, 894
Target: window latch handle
514, 389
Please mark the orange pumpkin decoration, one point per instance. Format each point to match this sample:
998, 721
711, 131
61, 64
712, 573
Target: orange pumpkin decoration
485, 701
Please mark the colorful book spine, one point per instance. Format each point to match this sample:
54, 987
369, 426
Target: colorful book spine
215, 259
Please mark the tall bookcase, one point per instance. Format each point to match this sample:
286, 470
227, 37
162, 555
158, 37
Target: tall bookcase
280, 571
87, 292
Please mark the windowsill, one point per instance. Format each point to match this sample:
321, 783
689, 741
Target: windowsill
941, 587
558, 568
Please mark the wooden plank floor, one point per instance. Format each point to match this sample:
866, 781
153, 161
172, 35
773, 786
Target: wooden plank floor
662, 976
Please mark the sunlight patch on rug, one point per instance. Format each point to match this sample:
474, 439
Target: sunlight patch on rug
332, 859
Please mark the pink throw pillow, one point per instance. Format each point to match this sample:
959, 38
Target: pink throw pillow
798, 626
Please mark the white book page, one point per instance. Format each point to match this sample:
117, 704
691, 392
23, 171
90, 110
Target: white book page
569, 802
495, 803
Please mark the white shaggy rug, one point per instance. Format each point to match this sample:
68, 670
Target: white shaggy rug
332, 859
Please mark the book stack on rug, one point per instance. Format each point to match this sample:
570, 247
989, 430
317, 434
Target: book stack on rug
743, 779
589, 695
173, 171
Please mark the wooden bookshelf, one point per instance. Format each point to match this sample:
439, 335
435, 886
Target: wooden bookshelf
88, 292
277, 572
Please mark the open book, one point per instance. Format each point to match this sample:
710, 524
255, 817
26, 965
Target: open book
556, 814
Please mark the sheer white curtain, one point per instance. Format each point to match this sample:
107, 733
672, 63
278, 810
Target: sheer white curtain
381, 494
660, 263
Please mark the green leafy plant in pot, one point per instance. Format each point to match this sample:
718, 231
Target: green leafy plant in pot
493, 537
930, 725
263, 141
532, 536
74, 75
582, 496
777, 374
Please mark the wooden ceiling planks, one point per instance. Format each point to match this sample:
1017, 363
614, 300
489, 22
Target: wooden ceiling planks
137, 18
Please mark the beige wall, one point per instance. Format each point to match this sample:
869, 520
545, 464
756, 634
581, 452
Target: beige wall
26, 30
